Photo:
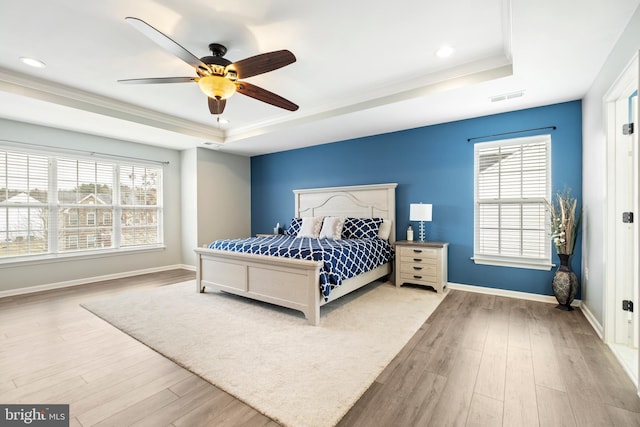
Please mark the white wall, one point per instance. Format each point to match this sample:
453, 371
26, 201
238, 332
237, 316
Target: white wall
15, 276
594, 160
216, 198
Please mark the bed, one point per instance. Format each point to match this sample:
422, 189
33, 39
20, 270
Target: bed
295, 283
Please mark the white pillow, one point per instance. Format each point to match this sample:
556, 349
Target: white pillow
332, 227
310, 227
385, 229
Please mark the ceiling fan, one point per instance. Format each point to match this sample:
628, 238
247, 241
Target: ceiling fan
218, 77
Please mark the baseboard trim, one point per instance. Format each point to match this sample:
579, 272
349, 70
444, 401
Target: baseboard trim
85, 280
624, 365
510, 294
597, 327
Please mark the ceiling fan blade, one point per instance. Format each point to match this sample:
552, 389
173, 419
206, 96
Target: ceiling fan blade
262, 63
216, 105
167, 43
265, 96
158, 80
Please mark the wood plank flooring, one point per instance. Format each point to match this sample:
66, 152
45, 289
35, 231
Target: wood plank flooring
479, 360
496, 361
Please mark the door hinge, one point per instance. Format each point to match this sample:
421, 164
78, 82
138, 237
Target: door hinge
627, 217
627, 129
627, 305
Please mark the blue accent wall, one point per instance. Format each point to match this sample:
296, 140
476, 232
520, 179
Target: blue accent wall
432, 164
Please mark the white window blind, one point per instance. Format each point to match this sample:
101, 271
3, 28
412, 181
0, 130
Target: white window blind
52, 204
85, 192
139, 200
512, 184
24, 209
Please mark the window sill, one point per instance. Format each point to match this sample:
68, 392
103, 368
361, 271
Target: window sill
515, 263
74, 256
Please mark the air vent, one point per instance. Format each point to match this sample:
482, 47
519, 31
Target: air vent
505, 96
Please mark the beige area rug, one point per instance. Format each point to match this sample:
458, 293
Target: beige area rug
269, 357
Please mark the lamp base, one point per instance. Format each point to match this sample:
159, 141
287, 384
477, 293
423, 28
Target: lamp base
421, 234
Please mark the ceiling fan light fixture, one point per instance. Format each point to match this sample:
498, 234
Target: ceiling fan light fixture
217, 87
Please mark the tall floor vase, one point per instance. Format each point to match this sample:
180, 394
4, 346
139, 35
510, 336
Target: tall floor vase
565, 283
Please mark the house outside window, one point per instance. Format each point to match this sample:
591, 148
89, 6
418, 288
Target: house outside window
51, 204
512, 187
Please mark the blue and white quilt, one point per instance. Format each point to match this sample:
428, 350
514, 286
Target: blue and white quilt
342, 258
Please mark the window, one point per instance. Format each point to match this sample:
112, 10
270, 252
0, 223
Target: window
512, 185
72, 242
106, 218
72, 218
24, 209
55, 204
139, 202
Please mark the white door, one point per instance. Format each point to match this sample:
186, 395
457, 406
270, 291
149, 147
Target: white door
624, 231
622, 241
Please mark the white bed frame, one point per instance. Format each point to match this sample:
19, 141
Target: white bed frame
295, 283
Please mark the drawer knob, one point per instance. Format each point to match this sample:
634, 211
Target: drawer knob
417, 259
417, 277
418, 251
417, 268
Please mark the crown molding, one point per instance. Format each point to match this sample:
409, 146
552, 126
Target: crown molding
56, 93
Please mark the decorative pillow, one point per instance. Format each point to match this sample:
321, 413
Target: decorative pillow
310, 227
361, 228
385, 229
332, 227
294, 227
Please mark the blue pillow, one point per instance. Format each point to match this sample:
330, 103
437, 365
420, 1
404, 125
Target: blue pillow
361, 228
294, 227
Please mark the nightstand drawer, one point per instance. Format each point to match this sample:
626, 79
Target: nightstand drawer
418, 260
419, 279
423, 270
422, 253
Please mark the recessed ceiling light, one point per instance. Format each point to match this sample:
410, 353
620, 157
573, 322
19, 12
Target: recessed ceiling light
444, 52
32, 62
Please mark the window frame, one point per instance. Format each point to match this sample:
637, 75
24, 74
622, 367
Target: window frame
56, 217
479, 257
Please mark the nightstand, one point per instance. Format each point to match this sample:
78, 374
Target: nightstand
421, 263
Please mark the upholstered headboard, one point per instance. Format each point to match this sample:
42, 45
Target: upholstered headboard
360, 201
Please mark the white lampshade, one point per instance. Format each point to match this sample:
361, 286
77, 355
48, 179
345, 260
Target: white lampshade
420, 212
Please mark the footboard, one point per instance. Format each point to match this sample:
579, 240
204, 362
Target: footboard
285, 282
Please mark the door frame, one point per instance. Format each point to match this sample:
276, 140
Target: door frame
630, 76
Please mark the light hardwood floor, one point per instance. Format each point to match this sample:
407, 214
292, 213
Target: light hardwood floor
479, 360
